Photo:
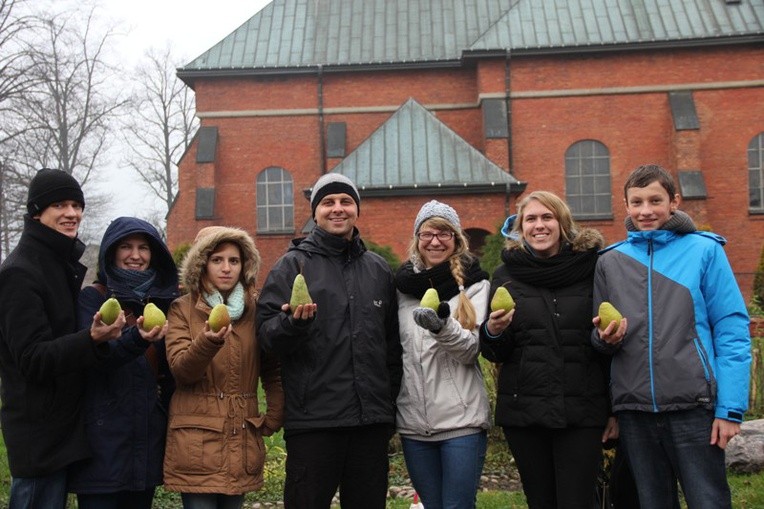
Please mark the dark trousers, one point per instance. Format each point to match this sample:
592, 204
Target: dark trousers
558, 467
353, 459
117, 500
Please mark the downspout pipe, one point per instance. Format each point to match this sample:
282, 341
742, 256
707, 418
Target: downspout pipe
508, 103
321, 127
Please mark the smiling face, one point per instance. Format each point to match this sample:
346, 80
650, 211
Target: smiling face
435, 244
337, 214
63, 216
650, 207
540, 229
133, 252
223, 268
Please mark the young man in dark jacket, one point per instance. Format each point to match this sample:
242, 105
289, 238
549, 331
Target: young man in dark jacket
340, 356
42, 355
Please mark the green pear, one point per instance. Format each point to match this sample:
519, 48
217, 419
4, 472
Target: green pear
219, 317
608, 314
300, 294
430, 299
152, 317
502, 300
110, 311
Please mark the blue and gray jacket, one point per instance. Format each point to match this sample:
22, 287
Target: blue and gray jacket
687, 344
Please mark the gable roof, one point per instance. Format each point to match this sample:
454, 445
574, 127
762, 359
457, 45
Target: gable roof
413, 153
300, 35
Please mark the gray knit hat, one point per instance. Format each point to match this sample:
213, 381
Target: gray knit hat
435, 208
333, 183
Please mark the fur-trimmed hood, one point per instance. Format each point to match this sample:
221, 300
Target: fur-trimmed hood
585, 239
205, 243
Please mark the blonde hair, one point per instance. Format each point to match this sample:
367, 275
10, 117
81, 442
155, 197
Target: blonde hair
561, 211
465, 311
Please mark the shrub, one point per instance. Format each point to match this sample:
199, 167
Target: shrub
758, 282
180, 252
494, 243
385, 252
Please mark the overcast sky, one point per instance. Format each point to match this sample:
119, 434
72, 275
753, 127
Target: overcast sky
190, 27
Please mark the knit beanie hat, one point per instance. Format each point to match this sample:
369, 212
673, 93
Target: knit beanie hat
333, 183
52, 186
435, 208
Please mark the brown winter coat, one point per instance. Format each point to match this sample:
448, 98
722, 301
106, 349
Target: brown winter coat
214, 438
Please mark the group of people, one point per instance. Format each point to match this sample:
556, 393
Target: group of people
110, 411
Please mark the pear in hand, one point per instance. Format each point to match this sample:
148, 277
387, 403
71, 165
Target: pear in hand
152, 317
430, 299
300, 294
219, 317
110, 311
502, 300
608, 314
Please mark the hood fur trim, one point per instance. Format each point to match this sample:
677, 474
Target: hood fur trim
205, 243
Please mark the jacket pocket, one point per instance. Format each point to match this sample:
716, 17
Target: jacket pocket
196, 443
709, 400
254, 447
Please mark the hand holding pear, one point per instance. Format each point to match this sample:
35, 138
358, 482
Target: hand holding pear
152, 317
219, 318
110, 310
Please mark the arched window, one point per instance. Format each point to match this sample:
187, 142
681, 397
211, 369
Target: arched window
275, 201
587, 180
756, 173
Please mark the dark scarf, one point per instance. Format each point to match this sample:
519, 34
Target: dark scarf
439, 277
564, 269
135, 282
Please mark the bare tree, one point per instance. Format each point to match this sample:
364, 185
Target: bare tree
67, 115
161, 126
15, 79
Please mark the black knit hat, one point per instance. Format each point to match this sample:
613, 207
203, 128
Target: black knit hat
52, 186
333, 183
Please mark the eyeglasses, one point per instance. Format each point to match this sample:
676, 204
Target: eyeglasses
428, 236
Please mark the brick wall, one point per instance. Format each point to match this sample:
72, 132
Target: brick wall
596, 98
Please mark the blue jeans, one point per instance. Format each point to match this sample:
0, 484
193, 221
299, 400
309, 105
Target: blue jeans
446, 473
48, 492
211, 501
667, 445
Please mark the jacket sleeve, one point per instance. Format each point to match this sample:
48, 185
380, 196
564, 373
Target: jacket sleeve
37, 352
121, 350
499, 348
270, 374
277, 331
461, 344
188, 354
394, 348
728, 322
600, 295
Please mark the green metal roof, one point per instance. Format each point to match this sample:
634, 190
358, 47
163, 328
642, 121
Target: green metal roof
295, 35
413, 152
577, 24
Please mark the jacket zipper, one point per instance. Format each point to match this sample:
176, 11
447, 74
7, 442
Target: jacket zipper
650, 255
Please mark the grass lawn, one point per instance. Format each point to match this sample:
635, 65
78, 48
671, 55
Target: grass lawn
747, 490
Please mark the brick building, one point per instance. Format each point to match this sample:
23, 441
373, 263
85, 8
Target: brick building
475, 102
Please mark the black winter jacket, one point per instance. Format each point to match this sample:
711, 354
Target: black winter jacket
550, 375
125, 401
343, 368
43, 357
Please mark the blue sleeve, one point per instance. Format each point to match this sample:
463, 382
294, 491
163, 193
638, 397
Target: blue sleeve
729, 325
